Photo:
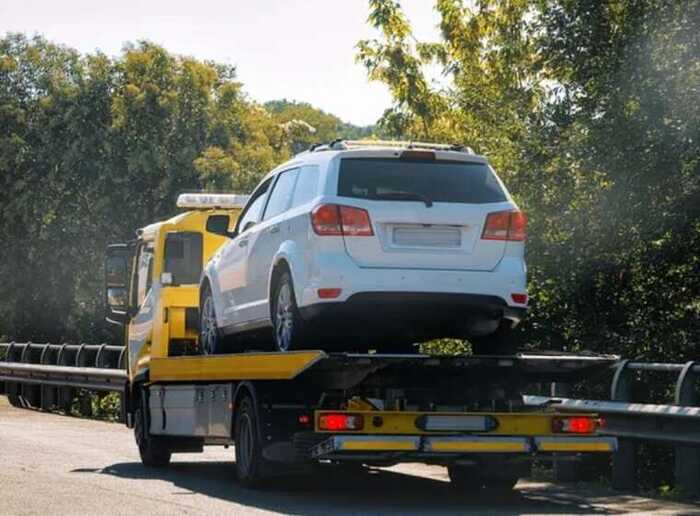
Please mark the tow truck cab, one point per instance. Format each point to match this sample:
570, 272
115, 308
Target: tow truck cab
152, 282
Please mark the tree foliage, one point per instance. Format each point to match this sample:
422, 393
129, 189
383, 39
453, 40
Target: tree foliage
588, 111
92, 148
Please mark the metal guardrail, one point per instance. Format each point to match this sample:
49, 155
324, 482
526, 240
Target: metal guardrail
49, 376
676, 424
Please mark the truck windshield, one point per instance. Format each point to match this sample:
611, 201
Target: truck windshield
432, 181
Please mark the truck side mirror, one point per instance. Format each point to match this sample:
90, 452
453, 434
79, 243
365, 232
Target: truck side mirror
218, 224
117, 283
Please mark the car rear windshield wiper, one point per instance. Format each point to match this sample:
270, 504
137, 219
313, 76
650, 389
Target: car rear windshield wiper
403, 196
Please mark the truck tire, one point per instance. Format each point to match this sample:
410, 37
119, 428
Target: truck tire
250, 463
153, 451
15, 400
289, 331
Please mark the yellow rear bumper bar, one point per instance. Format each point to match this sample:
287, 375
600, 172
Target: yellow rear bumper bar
340, 444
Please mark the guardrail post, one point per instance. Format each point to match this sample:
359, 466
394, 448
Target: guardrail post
687, 459
624, 463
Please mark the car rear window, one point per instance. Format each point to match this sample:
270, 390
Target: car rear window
438, 181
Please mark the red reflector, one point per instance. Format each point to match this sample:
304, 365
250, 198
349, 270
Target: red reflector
329, 293
304, 419
505, 225
340, 422
574, 425
521, 299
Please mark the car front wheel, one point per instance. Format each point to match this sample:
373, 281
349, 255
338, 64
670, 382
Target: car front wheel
209, 336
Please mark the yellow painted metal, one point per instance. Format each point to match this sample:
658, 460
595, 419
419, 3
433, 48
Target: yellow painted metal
404, 423
170, 302
242, 366
407, 445
578, 446
479, 446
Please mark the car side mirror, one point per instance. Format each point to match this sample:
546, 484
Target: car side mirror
218, 224
117, 283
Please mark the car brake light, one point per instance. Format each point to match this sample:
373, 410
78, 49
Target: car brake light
340, 422
334, 220
505, 225
574, 425
325, 220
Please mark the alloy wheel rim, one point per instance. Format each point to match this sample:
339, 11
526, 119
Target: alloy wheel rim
208, 327
284, 319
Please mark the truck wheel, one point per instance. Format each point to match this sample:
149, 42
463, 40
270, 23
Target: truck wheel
154, 453
287, 324
209, 335
249, 459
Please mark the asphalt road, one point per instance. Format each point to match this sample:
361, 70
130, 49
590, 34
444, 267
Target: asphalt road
52, 464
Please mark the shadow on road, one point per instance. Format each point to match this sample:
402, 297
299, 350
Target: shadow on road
333, 489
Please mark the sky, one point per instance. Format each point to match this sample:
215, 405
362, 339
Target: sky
301, 50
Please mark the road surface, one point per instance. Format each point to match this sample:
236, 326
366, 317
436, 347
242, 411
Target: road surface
53, 464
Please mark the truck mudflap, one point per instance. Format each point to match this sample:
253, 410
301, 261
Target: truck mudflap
416, 446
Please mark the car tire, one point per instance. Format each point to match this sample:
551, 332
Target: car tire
250, 463
288, 328
210, 339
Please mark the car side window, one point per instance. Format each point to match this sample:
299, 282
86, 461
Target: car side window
306, 187
253, 211
281, 195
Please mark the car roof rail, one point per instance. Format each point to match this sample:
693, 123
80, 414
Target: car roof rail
341, 144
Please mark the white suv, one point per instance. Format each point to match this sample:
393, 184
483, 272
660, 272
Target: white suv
370, 245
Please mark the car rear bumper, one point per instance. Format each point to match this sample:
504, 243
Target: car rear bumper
388, 307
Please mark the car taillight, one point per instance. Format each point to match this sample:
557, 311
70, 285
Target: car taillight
340, 422
505, 225
574, 425
334, 220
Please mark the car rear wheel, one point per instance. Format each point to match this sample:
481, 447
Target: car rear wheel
209, 335
287, 323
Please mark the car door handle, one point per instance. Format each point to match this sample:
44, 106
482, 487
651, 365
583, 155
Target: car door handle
243, 243
275, 229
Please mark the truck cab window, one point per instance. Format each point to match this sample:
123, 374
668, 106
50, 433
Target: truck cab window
144, 272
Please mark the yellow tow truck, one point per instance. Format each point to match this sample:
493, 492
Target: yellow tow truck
288, 412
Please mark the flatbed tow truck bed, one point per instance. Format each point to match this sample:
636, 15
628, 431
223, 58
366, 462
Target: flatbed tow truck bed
289, 411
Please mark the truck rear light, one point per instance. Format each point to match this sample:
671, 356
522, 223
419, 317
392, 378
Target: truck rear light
505, 225
521, 299
329, 293
574, 425
334, 220
340, 422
